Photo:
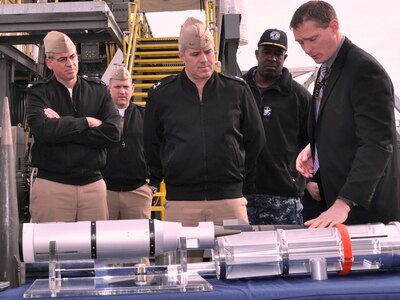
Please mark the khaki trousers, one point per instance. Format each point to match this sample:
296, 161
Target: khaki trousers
134, 204
57, 202
190, 213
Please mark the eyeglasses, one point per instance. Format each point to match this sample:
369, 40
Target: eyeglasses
64, 59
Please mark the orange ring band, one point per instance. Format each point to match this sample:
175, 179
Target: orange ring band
347, 249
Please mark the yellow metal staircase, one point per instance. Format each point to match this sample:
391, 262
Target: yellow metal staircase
155, 58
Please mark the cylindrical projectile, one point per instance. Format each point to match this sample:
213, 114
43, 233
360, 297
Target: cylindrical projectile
303, 251
10, 265
111, 240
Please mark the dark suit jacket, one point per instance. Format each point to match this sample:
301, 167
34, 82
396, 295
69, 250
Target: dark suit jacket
356, 137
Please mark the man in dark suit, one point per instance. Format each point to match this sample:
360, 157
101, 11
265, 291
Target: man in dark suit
353, 153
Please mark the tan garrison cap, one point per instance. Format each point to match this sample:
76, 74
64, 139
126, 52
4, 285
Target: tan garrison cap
58, 42
120, 73
195, 34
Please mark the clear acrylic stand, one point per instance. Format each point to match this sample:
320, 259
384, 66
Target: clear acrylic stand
116, 278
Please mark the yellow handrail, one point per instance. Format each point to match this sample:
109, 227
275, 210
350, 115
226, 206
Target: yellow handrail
131, 55
160, 201
211, 22
146, 31
133, 30
139, 27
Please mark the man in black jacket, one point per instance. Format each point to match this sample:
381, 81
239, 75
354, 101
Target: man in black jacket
128, 194
73, 120
202, 134
353, 152
275, 189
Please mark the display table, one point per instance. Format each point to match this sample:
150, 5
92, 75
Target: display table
377, 285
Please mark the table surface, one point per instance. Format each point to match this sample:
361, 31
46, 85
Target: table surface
375, 285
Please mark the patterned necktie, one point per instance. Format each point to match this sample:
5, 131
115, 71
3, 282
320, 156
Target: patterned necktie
318, 91
319, 86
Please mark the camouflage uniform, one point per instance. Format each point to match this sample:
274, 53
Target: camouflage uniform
266, 209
